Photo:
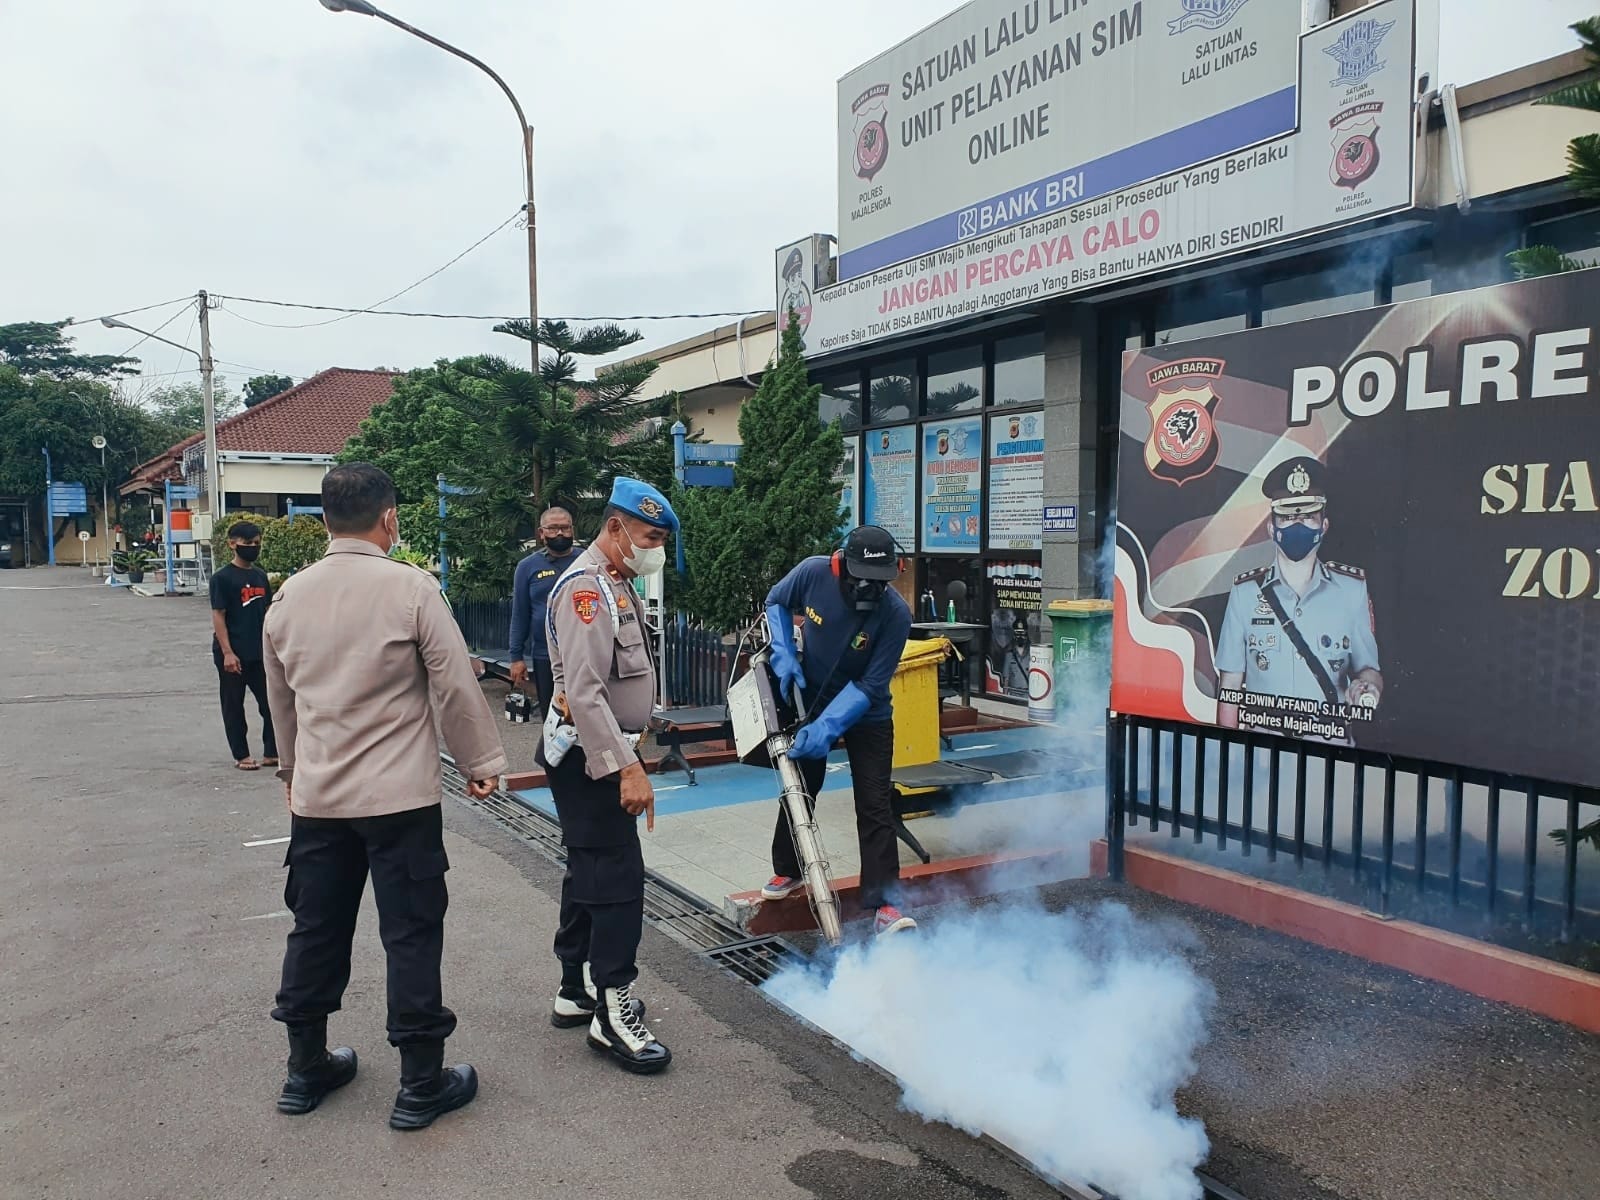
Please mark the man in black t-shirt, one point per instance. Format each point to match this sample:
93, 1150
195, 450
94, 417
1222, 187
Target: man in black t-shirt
240, 594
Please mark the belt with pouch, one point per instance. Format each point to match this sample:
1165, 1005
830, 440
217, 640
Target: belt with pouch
560, 735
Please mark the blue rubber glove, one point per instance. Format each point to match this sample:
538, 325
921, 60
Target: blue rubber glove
816, 738
785, 665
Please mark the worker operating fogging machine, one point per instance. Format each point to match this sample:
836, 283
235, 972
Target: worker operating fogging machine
854, 628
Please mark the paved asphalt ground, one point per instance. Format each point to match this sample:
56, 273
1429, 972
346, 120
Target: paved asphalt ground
140, 938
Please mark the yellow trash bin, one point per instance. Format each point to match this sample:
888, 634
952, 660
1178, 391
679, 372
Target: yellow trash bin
915, 691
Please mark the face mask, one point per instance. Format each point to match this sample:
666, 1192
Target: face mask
558, 545
1297, 541
394, 540
248, 553
644, 561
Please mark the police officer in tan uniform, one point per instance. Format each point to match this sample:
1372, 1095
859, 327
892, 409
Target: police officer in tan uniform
605, 687
361, 656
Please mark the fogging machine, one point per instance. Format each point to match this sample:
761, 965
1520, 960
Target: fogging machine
764, 724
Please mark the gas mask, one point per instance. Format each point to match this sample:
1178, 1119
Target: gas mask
865, 594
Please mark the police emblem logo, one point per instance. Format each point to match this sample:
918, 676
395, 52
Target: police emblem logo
1183, 443
650, 508
1299, 481
1263, 662
1205, 14
871, 113
859, 642
586, 604
1356, 51
1355, 146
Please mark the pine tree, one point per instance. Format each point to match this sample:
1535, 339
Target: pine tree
1583, 163
783, 506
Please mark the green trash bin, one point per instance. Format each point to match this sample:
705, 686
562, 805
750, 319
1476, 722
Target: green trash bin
1081, 638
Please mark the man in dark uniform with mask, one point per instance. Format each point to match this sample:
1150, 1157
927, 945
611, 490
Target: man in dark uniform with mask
1299, 627
530, 592
855, 630
604, 693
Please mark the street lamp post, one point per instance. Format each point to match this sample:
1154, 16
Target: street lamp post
99, 443
213, 468
372, 10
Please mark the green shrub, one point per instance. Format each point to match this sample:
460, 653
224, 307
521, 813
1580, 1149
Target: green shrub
289, 546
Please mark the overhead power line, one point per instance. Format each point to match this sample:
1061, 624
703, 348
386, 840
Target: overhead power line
128, 312
438, 316
348, 313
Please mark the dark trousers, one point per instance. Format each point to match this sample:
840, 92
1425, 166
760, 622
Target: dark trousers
328, 862
602, 893
544, 685
252, 675
870, 746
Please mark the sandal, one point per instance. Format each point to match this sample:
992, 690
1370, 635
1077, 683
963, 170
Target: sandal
269, 762
247, 764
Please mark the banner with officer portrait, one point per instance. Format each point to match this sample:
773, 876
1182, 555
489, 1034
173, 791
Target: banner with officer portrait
1378, 529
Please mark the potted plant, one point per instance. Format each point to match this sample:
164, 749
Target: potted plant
133, 563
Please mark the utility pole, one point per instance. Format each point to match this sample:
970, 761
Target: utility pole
213, 467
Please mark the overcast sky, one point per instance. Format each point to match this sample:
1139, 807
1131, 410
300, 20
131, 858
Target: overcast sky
269, 148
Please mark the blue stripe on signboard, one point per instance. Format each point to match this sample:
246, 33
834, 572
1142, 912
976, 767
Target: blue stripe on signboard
1267, 117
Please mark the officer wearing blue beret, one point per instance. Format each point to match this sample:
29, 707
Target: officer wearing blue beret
1299, 627
604, 688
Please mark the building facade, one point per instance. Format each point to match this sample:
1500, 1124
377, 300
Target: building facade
988, 444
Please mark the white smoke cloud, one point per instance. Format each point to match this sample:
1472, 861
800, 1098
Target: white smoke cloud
1063, 1035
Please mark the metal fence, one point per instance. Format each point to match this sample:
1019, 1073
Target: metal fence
698, 664
697, 660
486, 624
1438, 843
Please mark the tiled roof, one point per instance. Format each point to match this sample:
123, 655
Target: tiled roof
315, 417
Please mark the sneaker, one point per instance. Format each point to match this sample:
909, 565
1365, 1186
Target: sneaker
892, 920
781, 887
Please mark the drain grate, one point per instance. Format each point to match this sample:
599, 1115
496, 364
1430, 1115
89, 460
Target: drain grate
757, 960
680, 914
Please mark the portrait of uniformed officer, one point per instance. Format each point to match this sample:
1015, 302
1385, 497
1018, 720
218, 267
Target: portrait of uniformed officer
1300, 626
604, 685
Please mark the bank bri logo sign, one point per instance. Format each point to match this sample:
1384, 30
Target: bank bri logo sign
1356, 51
1205, 14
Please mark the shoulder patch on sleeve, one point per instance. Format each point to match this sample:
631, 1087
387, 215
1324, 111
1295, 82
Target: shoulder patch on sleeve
1346, 570
1255, 576
585, 602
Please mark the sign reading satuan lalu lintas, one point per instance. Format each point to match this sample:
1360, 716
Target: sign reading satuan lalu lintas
1006, 110
1350, 160
1375, 529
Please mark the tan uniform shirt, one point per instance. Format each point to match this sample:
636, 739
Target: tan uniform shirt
601, 663
354, 645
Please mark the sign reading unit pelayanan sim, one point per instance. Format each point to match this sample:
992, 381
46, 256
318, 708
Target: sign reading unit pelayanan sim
1004, 111
1350, 160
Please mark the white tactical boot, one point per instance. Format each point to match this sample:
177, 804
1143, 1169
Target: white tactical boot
618, 1030
575, 1006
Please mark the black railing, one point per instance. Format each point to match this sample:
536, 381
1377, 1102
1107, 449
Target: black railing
1435, 841
698, 660
486, 624
698, 664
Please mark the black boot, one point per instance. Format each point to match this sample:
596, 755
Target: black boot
427, 1090
617, 1030
313, 1071
575, 1003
